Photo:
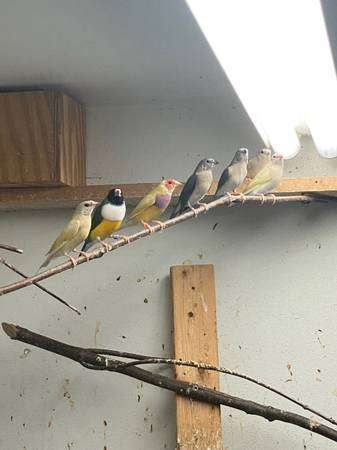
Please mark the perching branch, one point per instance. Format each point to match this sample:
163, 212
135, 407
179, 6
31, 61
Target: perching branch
205, 366
144, 359
90, 359
98, 253
10, 248
59, 299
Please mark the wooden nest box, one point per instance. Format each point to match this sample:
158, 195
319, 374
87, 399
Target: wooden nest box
42, 139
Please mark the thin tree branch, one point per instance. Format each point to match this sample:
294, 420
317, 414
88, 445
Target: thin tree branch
59, 299
127, 355
98, 253
205, 366
91, 360
144, 359
10, 248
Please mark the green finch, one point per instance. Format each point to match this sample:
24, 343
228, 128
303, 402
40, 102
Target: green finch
76, 231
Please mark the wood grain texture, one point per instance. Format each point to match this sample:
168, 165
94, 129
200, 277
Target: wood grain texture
41, 139
27, 138
298, 185
71, 164
195, 337
64, 197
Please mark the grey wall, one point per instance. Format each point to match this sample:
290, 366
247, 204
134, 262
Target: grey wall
276, 291
142, 143
157, 102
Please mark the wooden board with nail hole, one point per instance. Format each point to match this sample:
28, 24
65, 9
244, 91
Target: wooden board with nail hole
195, 338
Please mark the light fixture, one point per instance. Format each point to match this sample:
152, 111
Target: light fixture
278, 59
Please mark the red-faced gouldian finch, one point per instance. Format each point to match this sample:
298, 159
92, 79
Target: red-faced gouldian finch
256, 164
268, 178
107, 218
234, 173
196, 187
153, 205
75, 232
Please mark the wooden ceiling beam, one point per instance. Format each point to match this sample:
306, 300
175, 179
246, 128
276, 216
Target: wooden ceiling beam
66, 197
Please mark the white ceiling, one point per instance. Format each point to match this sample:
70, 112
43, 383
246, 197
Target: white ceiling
108, 51
114, 51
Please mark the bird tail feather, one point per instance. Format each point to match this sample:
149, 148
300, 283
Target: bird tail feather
86, 245
176, 211
45, 262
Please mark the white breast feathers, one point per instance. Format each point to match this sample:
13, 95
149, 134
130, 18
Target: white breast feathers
113, 212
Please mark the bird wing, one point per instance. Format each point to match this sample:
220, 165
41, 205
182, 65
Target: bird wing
187, 191
146, 202
97, 215
251, 167
185, 195
67, 234
95, 221
261, 178
224, 177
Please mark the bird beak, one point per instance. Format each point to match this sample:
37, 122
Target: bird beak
94, 203
177, 183
216, 162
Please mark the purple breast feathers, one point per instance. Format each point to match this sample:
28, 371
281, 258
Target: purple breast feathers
162, 200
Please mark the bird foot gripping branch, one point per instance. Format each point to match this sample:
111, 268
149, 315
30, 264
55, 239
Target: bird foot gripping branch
204, 206
82, 253
263, 199
160, 223
105, 246
123, 237
236, 198
274, 199
72, 260
195, 212
148, 227
230, 199
242, 198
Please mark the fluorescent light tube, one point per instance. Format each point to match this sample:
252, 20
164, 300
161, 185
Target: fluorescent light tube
277, 56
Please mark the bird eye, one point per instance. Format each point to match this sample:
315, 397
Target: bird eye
86, 205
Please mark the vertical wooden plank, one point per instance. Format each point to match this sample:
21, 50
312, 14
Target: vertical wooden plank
71, 141
195, 337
